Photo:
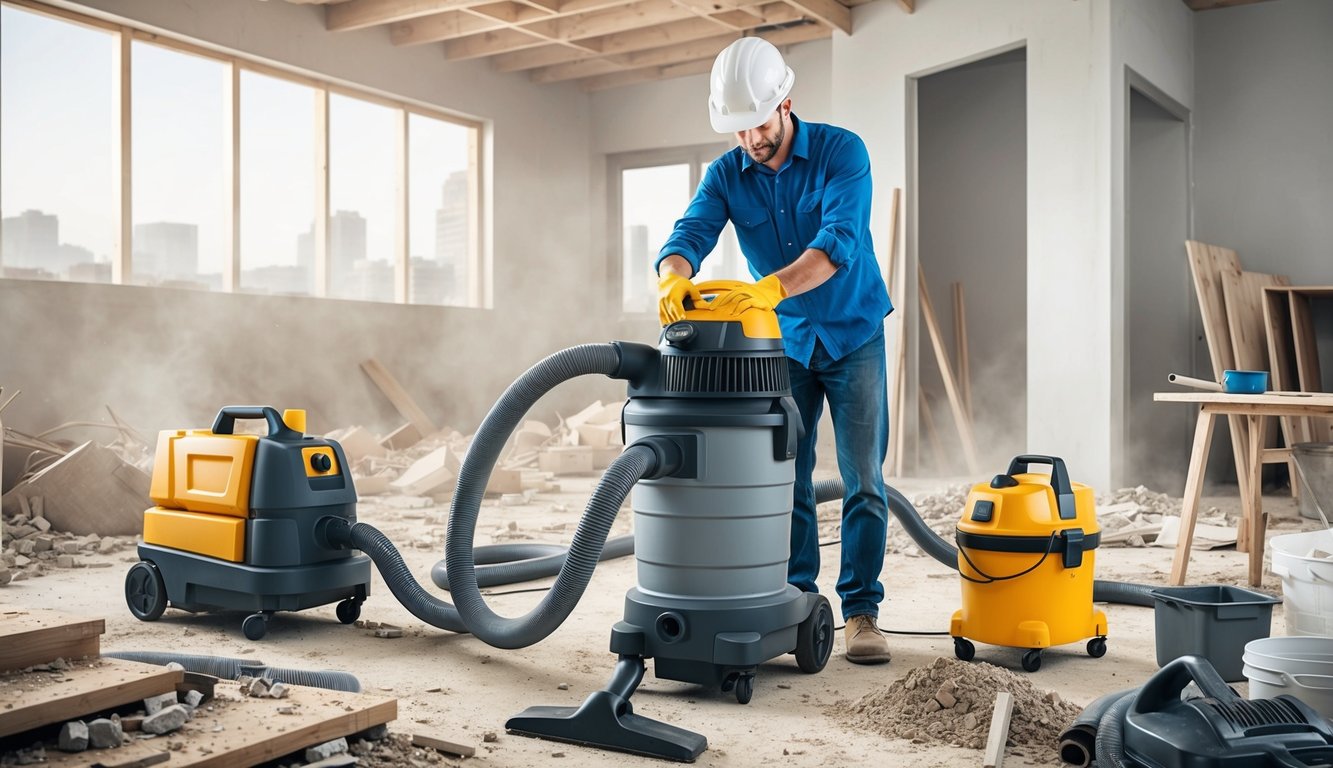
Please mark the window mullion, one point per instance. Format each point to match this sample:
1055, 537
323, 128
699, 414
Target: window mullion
321, 256
120, 263
231, 213
402, 259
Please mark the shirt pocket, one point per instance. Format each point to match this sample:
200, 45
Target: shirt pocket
749, 218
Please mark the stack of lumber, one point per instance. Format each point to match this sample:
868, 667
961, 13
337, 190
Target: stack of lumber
51, 674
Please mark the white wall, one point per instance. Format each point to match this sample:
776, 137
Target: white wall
1068, 211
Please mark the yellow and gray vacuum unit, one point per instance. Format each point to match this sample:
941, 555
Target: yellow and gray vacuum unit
239, 523
1026, 550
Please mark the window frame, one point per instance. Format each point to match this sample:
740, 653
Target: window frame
478, 290
695, 156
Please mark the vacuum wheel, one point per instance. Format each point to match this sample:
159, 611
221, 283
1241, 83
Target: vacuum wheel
145, 592
255, 626
1032, 660
964, 649
348, 610
744, 688
1097, 647
814, 638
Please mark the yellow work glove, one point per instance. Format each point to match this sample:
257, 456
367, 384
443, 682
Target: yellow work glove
764, 294
672, 289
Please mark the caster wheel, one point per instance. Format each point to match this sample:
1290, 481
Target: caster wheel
1032, 660
744, 688
348, 610
145, 593
729, 682
964, 649
255, 626
1097, 647
814, 638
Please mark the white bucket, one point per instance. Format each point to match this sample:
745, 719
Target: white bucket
1299, 666
1307, 582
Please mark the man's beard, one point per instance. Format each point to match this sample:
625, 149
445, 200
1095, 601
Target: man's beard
771, 147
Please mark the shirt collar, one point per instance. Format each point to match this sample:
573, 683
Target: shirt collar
800, 147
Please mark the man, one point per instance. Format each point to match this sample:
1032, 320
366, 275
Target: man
799, 196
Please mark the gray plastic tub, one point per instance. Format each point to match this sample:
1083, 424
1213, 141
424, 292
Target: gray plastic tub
1214, 622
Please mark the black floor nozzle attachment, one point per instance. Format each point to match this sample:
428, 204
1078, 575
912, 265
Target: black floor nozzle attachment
606, 719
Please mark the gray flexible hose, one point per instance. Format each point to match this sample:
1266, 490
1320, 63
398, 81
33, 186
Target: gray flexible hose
511, 563
1078, 742
1110, 735
638, 461
1122, 592
231, 669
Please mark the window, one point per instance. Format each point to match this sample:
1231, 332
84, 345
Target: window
391, 213
56, 148
442, 212
277, 215
178, 153
650, 191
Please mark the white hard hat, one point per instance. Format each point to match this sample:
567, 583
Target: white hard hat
748, 82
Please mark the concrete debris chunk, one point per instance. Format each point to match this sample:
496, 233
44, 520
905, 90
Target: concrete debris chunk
326, 750
104, 733
279, 691
73, 736
194, 698
155, 704
91, 489
166, 720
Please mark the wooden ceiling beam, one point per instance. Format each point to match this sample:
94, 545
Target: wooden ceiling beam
442, 26
597, 23
677, 61
679, 53
358, 14
624, 42
831, 12
908, 5
531, 58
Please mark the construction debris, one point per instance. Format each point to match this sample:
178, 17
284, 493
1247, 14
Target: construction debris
914, 707
91, 489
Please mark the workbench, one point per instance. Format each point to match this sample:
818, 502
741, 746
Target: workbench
1253, 408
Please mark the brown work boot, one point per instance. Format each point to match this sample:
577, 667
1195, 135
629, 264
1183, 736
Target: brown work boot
865, 643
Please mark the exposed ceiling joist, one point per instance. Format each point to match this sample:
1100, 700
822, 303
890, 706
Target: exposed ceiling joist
1208, 5
598, 42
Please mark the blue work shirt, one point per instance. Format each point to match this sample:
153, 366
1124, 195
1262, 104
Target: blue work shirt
819, 198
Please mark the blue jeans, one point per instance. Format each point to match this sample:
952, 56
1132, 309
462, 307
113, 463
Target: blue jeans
858, 402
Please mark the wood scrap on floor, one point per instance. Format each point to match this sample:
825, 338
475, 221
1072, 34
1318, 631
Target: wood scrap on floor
232, 728
999, 730
88, 490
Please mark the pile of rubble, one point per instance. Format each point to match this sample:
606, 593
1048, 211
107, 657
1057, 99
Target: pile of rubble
950, 702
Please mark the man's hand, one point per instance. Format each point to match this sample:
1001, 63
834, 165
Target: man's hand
764, 294
671, 292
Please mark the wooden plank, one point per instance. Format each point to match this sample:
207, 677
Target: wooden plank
908, 5
897, 406
1282, 366
439, 27
1243, 295
999, 730
402, 401
1253, 516
960, 346
1208, 264
453, 748
256, 730
965, 434
33, 636
32, 699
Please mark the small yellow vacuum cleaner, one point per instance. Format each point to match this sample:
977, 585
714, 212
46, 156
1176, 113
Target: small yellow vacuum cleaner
1026, 548
240, 523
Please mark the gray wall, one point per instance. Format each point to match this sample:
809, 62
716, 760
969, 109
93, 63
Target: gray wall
1263, 155
972, 229
1159, 294
1263, 149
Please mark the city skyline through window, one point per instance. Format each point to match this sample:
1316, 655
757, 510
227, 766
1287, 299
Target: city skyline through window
59, 152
